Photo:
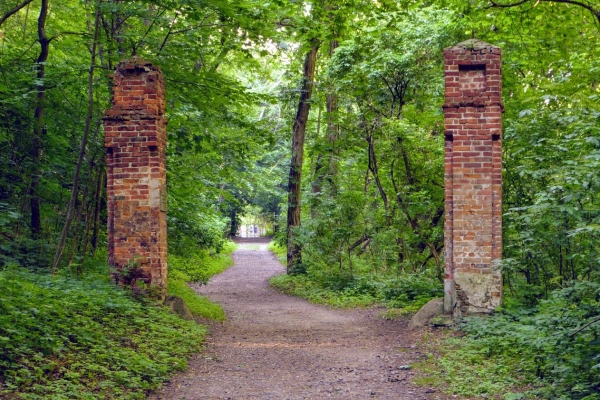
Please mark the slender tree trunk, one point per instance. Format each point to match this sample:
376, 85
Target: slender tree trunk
36, 153
332, 128
80, 211
322, 170
294, 251
373, 167
317, 182
88, 122
97, 207
90, 219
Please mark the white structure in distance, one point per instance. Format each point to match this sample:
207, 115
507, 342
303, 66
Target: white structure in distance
251, 230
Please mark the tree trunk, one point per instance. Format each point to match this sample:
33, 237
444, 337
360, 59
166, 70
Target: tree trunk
88, 122
375, 172
97, 207
80, 211
322, 170
317, 182
332, 129
36, 145
294, 255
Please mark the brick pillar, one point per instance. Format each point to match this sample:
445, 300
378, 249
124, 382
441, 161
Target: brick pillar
473, 177
135, 141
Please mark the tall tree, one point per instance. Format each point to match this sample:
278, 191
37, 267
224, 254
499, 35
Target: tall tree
36, 145
294, 249
82, 148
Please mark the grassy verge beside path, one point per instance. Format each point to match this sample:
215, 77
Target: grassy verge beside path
401, 294
198, 266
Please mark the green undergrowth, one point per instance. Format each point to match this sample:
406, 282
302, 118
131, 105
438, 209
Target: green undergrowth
198, 266
63, 337
549, 351
404, 293
279, 251
199, 306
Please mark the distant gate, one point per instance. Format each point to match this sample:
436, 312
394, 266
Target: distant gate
135, 141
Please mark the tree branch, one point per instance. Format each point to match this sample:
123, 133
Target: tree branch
594, 11
583, 327
14, 10
498, 5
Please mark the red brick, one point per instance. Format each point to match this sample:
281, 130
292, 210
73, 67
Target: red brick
472, 168
137, 116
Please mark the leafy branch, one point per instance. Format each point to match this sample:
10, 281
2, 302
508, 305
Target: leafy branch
14, 10
586, 5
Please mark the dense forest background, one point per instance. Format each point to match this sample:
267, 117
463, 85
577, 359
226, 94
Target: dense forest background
357, 195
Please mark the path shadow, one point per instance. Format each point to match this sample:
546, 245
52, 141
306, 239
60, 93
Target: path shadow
262, 239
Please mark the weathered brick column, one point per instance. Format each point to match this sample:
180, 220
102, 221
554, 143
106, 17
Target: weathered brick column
473, 177
135, 141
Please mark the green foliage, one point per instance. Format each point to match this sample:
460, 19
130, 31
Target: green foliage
199, 306
198, 265
302, 286
550, 352
373, 204
84, 338
408, 293
16, 249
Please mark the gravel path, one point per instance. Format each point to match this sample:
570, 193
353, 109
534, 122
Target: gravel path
275, 346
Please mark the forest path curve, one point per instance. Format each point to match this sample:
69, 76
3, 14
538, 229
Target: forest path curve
275, 346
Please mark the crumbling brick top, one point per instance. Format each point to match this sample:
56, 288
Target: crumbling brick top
136, 63
473, 45
138, 91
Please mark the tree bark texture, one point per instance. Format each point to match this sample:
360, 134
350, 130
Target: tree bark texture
36, 145
323, 171
294, 250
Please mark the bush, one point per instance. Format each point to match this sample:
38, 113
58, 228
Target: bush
553, 349
340, 288
199, 265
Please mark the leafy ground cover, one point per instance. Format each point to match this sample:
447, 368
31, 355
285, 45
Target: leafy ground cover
402, 293
550, 351
68, 337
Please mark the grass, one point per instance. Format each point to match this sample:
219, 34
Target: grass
279, 251
461, 366
302, 286
199, 306
198, 266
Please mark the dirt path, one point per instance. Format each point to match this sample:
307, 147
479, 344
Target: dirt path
274, 346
